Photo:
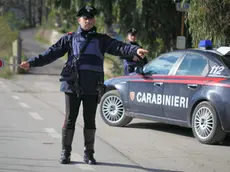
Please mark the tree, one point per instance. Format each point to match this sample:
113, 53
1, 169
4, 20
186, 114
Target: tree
158, 22
106, 8
209, 19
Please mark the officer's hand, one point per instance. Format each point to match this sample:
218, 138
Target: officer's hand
25, 65
135, 58
141, 52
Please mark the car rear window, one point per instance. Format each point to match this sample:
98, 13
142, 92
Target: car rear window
225, 60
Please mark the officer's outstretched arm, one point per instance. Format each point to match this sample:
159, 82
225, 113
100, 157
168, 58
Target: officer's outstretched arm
54, 52
118, 48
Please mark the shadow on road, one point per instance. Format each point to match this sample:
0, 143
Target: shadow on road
187, 132
163, 127
126, 166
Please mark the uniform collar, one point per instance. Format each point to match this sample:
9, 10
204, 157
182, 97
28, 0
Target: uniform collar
80, 30
133, 43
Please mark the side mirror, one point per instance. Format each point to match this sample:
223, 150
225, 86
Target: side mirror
139, 70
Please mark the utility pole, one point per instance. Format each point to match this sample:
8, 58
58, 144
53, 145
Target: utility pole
30, 12
182, 23
40, 11
182, 6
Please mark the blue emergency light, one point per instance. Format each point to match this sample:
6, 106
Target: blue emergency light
206, 44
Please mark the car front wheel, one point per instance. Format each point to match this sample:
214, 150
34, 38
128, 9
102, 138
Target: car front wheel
112, 109
206, 125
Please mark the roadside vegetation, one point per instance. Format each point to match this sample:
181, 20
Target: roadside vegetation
9, 32
158, 21
7, 35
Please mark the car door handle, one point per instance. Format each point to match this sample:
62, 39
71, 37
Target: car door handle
192, 86
158, 83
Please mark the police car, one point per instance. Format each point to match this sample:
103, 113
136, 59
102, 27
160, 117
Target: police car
189, 88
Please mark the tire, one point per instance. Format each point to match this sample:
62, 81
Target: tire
206, 125
112, 110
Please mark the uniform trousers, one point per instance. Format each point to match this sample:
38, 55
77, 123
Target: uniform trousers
73, 103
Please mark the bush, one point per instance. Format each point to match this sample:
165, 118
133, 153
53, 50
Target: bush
15, 23
113, 66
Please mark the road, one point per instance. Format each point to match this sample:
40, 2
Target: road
32, 114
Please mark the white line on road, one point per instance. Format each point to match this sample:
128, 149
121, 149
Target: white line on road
36, 116
74, 156
53, 133
16, 97
78, 158
24, 105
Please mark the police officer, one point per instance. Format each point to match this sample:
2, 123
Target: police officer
131, 63
84, 86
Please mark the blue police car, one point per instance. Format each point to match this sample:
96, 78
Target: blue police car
189, 88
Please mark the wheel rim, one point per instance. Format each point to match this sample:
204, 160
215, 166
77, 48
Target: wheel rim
204, 122
112, 109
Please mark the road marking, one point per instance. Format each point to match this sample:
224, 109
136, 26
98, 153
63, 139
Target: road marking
16, 97
24, 105
76, 157
36, 116
53, 133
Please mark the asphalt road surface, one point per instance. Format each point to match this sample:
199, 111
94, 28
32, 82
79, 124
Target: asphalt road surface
32, 114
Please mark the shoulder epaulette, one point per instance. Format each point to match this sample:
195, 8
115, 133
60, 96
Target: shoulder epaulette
69, 33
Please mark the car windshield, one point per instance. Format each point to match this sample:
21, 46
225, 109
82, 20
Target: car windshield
163, 64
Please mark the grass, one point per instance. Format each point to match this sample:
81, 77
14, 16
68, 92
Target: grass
5, 71
7, 36
40, 38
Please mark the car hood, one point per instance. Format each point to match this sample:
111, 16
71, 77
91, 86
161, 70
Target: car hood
118, 79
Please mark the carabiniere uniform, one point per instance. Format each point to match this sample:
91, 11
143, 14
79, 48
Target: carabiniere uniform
91, 61
129, 63
82, 79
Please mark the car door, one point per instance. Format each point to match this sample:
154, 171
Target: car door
146, 92
140, 96
183, 84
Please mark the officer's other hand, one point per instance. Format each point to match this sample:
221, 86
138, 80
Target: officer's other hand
25, 65
142, 52
135, 58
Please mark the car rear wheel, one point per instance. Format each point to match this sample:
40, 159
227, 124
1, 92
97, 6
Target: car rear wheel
206, 126
112, 109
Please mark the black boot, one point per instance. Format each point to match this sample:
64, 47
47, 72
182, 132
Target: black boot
67, 138
89, 135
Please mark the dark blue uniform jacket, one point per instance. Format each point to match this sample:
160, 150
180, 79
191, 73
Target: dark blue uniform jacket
91, 61
130, 64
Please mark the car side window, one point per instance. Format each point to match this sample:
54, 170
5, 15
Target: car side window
193, 64
163, 64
